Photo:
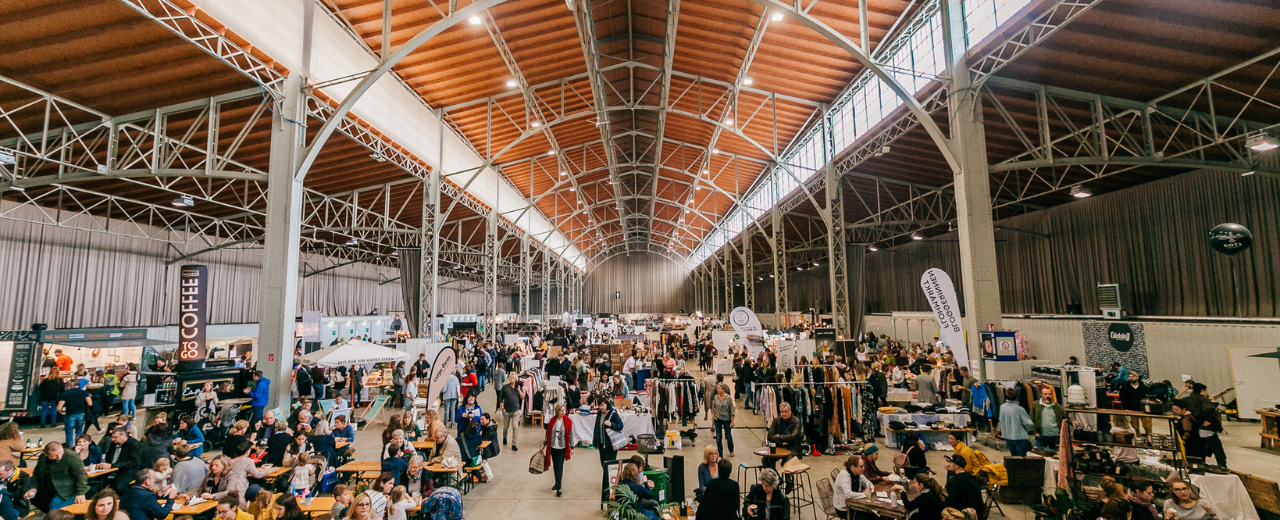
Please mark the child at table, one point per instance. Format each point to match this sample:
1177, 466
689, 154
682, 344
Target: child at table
341, 500
304, 476
400, 503
164, 473
262, 507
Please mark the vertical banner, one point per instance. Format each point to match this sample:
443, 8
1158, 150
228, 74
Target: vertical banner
941, 294
446, 362
193, 309
311, 331
747, 324
786, 354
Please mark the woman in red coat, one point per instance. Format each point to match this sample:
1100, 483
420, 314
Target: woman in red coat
559, 443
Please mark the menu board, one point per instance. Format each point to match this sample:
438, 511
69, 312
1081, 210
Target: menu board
17, 367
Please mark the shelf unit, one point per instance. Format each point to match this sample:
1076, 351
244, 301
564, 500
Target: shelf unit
1179, 455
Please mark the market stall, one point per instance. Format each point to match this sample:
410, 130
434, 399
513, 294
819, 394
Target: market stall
633, 424
923, 423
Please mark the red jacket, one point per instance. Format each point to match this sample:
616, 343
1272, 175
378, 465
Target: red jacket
568, 434
468, 383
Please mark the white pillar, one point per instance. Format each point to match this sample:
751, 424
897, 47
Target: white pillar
282, 240
979, 278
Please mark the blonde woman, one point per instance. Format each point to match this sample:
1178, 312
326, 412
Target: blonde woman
709, 469
361, 508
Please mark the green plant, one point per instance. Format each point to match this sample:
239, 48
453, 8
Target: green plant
623, 505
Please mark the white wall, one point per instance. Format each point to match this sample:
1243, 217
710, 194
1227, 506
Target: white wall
1199, 349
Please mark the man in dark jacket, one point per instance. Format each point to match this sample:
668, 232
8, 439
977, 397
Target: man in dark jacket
606, 419
123, 453
785, 432
1131, 395
141, 502
60, 480
879, 385
720, 499
277, 444
964, 491
16, 484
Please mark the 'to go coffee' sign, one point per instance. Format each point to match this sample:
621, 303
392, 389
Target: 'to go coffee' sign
192, 311
1121, 336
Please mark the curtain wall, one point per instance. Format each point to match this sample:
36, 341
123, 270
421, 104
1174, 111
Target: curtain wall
1152, 237
646, 282
69, 278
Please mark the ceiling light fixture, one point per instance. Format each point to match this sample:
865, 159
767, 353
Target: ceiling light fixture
1079, 192
798, 268
747, 80
536, 123
728, 120
564, 173
377, 156
874, 249
353, 242
551, 152
777, 16
715, 150
770, 276
512, 83
1262, 143
17, 188
1245, 174
184, 201
815, 264
475, 20
571, 190
883, 150
916, 236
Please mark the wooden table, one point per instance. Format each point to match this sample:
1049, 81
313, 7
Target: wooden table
424, 445
322, 505
341, 444
276, 473
780, 453
90, 473
873, 504
178, 509
361, 471
1270, 429
454, 480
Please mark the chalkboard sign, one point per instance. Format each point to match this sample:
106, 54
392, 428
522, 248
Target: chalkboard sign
21, 370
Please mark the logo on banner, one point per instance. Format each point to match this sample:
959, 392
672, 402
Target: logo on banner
446, 363
192, 311
1121, 336
941, 294
746, 323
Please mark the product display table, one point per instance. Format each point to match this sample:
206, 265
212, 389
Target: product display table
929, 436
1226, 495
584, 426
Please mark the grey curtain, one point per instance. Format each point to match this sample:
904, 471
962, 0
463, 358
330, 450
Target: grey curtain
66, 277
1152, 237
855, 267
410, 260
647, 282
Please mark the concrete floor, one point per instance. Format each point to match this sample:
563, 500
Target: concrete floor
516, 494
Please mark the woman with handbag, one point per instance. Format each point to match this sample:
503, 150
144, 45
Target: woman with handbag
608, 428
559, 446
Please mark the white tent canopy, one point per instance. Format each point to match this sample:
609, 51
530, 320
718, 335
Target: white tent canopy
353, 352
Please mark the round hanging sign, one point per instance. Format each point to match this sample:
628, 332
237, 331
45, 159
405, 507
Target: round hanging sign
1230, 239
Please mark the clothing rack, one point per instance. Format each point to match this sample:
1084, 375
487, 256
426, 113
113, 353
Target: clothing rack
803, 383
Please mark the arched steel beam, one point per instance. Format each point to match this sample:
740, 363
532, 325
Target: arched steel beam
387, 64
935, 132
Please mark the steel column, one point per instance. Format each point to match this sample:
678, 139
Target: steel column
283, 238
779, 244
546, 283
429, 268
526, 266
748, 271
490, 260
979, 279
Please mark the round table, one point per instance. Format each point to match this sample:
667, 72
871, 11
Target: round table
235, 400
779, 453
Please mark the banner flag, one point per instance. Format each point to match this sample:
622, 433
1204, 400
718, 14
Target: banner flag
941, 294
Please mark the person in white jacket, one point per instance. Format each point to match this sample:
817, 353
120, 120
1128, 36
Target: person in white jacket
851, 484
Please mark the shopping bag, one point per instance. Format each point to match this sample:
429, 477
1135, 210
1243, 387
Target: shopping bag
618, 440
538, 463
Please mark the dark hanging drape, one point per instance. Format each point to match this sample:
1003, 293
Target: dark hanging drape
1152, 237
855, 269
410, 268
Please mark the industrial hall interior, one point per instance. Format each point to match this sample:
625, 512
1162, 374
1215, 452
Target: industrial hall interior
640, 259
